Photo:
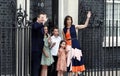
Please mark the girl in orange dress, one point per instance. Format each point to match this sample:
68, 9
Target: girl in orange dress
61, 63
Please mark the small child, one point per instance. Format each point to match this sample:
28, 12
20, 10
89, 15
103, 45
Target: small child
47, 58
62, 62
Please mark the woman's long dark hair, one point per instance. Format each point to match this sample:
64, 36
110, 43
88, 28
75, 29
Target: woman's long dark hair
66, 18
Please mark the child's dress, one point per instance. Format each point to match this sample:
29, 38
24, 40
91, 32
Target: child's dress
61, 63
46, 61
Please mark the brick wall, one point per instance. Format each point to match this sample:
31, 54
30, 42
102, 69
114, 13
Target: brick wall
7, 37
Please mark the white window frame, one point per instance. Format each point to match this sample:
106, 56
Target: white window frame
109, 41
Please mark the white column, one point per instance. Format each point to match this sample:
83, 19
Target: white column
61, 16
67, 7
73, 10
28, 9
24, 3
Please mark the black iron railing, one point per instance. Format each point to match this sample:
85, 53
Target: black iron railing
23, 44
15, 43
100, 40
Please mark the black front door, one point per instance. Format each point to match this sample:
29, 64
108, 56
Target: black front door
48, 6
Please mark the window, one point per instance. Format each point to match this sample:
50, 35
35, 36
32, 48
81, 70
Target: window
112, 32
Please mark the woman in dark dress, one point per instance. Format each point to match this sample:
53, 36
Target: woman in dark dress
75, 65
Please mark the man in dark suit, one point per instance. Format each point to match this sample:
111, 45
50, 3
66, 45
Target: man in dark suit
37, 43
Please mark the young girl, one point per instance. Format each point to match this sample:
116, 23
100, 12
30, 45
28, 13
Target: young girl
47, 58
61, 63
